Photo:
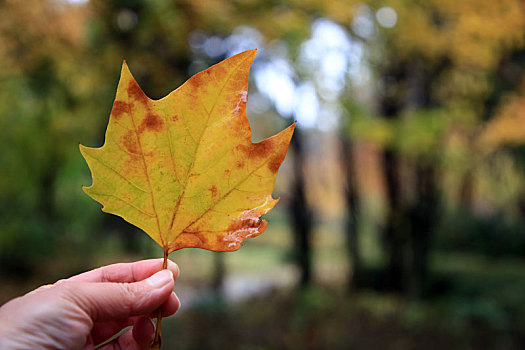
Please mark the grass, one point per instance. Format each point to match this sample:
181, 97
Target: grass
324, 318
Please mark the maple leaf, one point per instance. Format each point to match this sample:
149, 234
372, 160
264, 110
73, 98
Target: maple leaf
183, 168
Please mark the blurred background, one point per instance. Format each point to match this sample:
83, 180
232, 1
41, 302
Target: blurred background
401, 223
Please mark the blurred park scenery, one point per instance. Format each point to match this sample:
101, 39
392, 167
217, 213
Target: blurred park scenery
401, 221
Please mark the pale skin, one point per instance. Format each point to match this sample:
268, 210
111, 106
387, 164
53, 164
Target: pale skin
86, 310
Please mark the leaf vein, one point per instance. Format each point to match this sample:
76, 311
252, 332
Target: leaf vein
225, 195
149, 182
198, 143
116, 172
125, 150
122, 126
123, 200
168, 131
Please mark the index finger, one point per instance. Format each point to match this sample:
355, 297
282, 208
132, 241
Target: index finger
126, 272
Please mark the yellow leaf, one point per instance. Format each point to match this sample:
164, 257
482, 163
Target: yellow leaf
183, 168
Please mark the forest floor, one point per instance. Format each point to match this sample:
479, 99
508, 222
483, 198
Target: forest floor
322, 318
476, 302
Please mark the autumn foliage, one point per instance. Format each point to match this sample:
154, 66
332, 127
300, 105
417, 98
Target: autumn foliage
183, 168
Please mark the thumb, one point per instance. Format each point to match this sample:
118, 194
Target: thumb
104, 301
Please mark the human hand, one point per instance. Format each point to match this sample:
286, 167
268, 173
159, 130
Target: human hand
87, 309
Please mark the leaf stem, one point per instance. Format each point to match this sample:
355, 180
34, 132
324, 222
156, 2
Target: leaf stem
158, 338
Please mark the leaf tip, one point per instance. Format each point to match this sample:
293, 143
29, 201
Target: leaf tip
83, 149
248, 56
251, 54
289, 131
124, 71
292, 127
125, 65
126, 80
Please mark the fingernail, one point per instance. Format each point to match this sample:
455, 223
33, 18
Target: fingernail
160, 279
172, 265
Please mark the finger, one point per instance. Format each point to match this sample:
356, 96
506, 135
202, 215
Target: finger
89, 344
104, 330
40, 289
171, 306
110, 301
126, 272
143, 332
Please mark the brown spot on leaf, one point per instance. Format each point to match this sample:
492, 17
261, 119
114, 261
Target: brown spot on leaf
136, 93
239, 164
214, 191
189, 239
196, 236
130, 142
130, 167
196, 81
249, 224
227, 172
152, 122
263, 148
174, 118
243, 149
119, 108
245, 223
275, 163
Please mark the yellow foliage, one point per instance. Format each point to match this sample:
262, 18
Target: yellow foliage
507, 128
472, 33
48, 29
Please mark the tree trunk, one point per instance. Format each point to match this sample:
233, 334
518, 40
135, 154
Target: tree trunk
411, 216
219, 272
301, 216
355, 278
423, 220
393, 234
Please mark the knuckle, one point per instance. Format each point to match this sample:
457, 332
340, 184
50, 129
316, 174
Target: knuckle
64, 287
60, 282
66, 290
128, 296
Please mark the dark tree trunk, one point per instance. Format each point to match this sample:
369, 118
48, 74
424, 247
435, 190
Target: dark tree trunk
423, 220
393, 234
411, 218
301, 216
219, 272
423, 213
355, 279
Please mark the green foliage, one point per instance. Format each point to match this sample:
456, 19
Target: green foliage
490, 235
416, 133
